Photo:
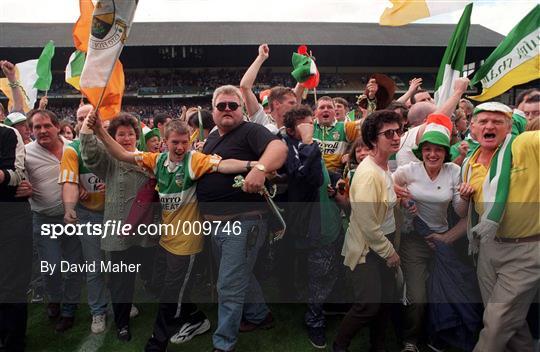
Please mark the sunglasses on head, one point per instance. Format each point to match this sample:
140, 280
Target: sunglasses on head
389, 134
230, 104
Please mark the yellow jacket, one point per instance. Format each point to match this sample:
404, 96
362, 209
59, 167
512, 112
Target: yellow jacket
369, 204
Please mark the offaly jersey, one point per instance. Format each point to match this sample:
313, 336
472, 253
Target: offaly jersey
334, 141
73, 170
176, 188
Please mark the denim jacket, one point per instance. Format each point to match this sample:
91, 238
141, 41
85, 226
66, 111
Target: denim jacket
122, 181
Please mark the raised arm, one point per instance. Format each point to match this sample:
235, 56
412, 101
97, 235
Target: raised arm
414, 84
246, 84
448, 107
9, 70
299, 91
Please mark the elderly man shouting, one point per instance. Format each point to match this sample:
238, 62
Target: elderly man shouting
504, 174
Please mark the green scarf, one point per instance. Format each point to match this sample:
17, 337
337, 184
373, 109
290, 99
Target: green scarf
494, 189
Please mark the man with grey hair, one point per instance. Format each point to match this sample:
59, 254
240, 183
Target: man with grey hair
238, 216
504, 224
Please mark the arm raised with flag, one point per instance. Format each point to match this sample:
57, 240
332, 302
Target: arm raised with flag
9, 70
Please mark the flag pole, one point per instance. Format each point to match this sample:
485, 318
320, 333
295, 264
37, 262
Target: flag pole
201, 129
106, 83
116, 59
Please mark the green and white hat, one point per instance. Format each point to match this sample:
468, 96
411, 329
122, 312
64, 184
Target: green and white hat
14, 118
150, 132
438, 131
493, 106
305, 70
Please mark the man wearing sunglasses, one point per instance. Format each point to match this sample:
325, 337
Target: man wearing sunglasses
238, 216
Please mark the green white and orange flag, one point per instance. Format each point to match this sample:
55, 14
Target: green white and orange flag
454, 58
26, 74
74, 68
32, 75
102, 77
407, 11
515, 61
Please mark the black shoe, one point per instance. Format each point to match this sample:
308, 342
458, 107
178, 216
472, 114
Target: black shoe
335, 348
267, 323
437, 345
336, 308
317, 337
64, 324
123, 334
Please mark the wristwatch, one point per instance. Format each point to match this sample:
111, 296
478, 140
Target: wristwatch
260, 167
248, 166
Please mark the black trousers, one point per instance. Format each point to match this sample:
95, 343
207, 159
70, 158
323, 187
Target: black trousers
174, 307
15, 272
122, 285
373, 288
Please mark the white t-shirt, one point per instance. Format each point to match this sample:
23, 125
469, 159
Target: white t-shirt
261, 118
389, 224
407, 144
432, 196
43, 168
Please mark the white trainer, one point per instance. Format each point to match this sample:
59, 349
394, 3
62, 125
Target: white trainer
99, 323
134, 312
410, 347
190, 330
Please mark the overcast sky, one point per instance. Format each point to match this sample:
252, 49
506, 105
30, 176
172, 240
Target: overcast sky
498, 15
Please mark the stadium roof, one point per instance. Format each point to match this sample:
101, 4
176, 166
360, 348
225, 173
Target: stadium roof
29, 35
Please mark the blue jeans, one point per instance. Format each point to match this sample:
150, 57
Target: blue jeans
68, 289
323, 270
91, 249
238, 289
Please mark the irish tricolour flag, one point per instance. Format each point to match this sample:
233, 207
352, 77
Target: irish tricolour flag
74, 68
454, 57
32, 75
407, 11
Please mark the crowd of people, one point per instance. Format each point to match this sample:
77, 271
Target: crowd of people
202, 81
367, 209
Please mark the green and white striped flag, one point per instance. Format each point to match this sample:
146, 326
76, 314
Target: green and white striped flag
74, 68
515, 61
453, 59
43, 68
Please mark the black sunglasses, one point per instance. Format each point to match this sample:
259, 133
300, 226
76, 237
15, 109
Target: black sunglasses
227, 104
389, 134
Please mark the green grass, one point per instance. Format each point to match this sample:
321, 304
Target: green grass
288, 335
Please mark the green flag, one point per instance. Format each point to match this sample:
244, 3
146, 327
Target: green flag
515, 61
453, 59
43, 68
